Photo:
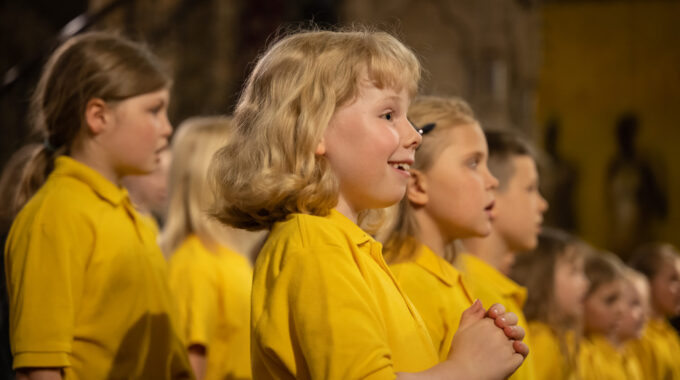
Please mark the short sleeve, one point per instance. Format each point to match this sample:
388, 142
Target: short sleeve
45, 259
194, 288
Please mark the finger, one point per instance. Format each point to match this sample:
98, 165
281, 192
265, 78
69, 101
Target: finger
471, 315
495, 310
507, 319
514, 332
521, 348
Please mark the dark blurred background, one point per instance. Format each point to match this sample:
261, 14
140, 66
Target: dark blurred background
594, 84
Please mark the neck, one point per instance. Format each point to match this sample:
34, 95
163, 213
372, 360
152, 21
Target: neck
429, 234
89, 154
491, 249
347, 210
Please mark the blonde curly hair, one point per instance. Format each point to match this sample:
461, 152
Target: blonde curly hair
270, 170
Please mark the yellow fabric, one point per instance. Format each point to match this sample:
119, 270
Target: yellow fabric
87, 284
551, 358
437, 290
326, 306
600, 360
491, 286
213, 294
658, 350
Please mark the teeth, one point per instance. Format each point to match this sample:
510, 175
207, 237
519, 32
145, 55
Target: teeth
401, 166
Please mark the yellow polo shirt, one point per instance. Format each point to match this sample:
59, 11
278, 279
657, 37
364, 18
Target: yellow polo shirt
326, 306
551, 356
600, 360
658, 350
491, 286
437, 290
87, 284
212, 290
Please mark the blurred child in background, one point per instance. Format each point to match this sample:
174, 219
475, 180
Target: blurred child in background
149, 193
209, 276
659, 346
556, 285
87, 283
516, 218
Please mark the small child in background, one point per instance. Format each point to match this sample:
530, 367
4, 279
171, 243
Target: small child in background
659, 346
149, 193
556, 285
209, 277
448, 197
516, 218
599, 357
635, 315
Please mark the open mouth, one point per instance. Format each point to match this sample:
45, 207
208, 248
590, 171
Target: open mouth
490, 206
400, 166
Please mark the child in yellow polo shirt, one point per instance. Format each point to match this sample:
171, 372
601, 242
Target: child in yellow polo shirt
321, 137
87, 282
599, 357
516, 219
556, 285
659, 346
209, 278
635, 297
448, 197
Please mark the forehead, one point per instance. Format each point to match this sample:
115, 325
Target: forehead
523, 168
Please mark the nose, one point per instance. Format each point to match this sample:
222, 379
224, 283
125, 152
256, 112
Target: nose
491, 180
543, 203
410, 137
166, 128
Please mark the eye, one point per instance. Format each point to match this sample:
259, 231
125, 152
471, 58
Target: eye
388, 116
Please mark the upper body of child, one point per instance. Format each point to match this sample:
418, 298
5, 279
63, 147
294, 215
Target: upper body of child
516, 218
86, 279
322, 136
556, 284
604, 307
659, 346
210, 280
448, 197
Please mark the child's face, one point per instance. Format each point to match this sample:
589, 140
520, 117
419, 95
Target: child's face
150, 192
520, 206
603, 309
665, 288
139, 133
459, 185
634, 313
570, 284
370, 145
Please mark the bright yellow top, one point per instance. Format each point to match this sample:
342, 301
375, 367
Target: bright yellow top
212, 290
658, 350
491, 286
326, 306
551, 356
87, 284
437, 290
600, 360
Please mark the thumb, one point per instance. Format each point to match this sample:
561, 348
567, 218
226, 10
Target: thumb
471, 315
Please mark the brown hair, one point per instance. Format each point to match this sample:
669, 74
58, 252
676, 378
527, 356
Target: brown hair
445, 113
602, 268
270, 169
649, 258
503, 146
91, 65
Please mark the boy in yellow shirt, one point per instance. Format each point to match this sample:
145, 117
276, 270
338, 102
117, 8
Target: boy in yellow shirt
516, 219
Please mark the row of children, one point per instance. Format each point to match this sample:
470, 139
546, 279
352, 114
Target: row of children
319, 140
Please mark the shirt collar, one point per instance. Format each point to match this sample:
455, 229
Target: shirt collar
480, 270
105, 189
355, 233
434, 264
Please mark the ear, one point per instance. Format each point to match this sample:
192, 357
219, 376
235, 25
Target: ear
97, 115
321, 147
416, 192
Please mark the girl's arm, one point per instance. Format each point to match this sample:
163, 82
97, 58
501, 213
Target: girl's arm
39, 374
197, 358
478, 344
